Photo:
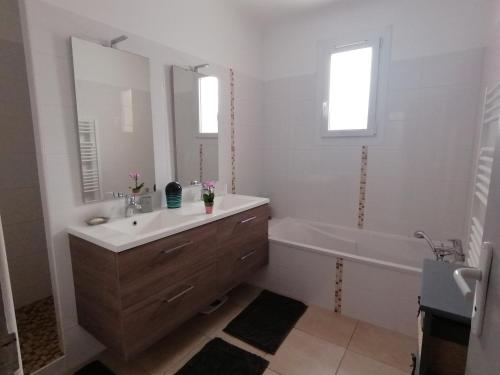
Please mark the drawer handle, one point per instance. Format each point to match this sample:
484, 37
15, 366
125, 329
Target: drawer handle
248, 220
244, 257
179, 295
178, 247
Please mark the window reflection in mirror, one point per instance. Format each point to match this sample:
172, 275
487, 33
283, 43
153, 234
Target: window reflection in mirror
208, 105
196, 127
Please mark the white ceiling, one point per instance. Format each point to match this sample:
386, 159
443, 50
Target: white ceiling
267, 10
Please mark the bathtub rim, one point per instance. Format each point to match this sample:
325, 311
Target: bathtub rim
350, 257
339, 254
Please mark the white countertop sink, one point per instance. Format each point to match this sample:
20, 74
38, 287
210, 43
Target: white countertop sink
125, 233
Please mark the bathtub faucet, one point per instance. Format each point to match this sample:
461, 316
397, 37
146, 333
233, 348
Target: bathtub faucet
442, 249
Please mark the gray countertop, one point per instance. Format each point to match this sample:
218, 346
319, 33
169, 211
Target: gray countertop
440, 293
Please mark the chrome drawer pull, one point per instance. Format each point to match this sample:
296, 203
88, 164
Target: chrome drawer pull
248, 220
178, 247
247, 255
179, 295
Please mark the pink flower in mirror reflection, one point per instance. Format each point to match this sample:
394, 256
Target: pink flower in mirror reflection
208, 184
134, 175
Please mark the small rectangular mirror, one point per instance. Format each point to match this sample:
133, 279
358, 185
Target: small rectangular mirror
115, 127
196, 125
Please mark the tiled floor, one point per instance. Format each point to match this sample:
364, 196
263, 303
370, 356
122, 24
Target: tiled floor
322, 342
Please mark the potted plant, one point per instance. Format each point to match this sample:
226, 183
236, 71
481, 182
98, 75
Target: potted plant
134, 176
209, 196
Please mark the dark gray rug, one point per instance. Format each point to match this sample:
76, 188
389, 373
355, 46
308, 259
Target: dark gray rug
94, 368
221, 358
267, 321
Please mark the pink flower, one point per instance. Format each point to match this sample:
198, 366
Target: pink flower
208, 184
134, 175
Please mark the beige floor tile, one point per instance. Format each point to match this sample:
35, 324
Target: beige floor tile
270, 372
327, 325
382, 345
119, 366
172, 351
244, 294
302, 354
357, 364
211, 324
240, 344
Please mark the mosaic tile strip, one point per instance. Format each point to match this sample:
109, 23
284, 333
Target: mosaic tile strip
38, 337
339, 269
233, 149
362, 187
201, 162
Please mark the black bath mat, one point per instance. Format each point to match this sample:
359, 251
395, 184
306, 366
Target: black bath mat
94, 368
220, 358
267, 321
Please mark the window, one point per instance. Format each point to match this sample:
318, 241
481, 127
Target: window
351, 86
127, 111
208, 106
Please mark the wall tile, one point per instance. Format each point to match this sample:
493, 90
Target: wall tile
455, 68
10, 27
20, 205
53, 80
21, 169
17, 135
26, 238
302, 88
405, 74
10, 6
58, 126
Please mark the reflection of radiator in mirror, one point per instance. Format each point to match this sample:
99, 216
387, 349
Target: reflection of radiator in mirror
89, 161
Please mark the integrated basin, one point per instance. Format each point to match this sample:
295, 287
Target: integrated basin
145, 223
125, 233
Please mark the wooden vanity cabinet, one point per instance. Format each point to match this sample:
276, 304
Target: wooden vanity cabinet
131, 299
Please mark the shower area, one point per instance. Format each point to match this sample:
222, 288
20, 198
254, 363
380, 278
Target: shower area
20, 205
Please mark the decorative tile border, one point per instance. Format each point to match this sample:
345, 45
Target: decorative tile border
339, 269
201, 162
362, 187
233, 149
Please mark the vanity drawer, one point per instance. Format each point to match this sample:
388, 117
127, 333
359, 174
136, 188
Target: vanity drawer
149, 320
244, 228
149, 269
236, 264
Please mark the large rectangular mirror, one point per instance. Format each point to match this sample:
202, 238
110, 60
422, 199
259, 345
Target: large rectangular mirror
196, 111
114, 119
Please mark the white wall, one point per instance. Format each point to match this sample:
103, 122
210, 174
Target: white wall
421, 28
420, 162
208, 29
47, 30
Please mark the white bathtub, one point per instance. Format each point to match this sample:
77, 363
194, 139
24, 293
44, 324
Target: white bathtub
380, 273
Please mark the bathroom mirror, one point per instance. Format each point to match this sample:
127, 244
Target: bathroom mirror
196, 126
114, 127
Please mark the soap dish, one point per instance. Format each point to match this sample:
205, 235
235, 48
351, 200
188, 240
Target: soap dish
97, 220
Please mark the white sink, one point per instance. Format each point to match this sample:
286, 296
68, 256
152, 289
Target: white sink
125, 233
145, 223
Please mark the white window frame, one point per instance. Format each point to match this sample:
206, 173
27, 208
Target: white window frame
326, 50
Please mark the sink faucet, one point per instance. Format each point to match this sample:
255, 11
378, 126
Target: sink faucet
132, 206
442, 249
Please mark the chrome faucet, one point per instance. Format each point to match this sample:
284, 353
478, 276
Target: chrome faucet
441, 249
132, 205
